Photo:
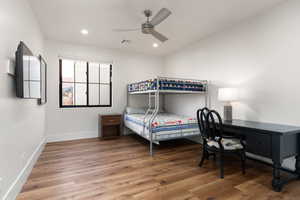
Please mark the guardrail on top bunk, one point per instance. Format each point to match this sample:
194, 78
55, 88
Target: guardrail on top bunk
154, 87
168, 85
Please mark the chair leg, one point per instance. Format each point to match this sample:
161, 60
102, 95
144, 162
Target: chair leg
204, 155
243, 157
211, 154
214, 156
207, 155
221, 165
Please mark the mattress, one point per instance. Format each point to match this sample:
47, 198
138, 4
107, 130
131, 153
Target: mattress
165, 126
168, 84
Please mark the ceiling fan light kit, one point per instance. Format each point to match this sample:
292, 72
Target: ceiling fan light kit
149, 26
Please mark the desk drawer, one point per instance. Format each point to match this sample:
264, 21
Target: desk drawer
113, 120
259, 144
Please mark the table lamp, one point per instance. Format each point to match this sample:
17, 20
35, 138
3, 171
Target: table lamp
227, 95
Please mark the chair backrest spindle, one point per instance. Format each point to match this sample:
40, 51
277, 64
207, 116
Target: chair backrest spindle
214, 122
201, 117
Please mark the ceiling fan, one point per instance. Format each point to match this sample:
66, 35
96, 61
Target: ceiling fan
149, 26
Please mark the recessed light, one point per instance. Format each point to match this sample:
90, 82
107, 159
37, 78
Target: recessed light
84, 32
155, 45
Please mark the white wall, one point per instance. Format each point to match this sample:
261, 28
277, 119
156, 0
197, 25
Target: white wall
71, 123
260, 56
21, 121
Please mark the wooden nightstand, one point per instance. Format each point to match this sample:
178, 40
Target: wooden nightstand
110, 126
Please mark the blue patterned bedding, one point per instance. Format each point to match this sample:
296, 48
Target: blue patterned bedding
168, 84
164, 122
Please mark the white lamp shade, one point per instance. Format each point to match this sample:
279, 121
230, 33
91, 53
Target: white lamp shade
227, 94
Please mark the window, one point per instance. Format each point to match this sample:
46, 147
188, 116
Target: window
85, 84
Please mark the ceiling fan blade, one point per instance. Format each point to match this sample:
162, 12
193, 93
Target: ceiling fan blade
125, 30
160, 16
158, 36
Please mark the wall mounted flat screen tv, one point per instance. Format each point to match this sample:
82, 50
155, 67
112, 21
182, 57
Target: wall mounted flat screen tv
28, 73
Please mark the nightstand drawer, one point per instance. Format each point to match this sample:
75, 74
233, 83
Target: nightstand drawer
113, 120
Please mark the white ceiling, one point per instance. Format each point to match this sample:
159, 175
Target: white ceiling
191, 20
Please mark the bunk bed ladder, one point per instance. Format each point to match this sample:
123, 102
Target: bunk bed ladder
148, 112
153, 113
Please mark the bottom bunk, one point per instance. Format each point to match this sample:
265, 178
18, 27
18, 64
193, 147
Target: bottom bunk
166, 126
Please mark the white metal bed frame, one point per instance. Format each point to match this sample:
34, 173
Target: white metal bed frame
153, 111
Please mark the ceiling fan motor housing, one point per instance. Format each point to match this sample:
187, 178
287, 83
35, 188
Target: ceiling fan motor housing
147, 28
148, 13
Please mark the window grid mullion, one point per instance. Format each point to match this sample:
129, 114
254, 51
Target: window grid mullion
87, 84
110, 84
29, 68
74, 85
60, 83
93, 83
73, 82
99, 84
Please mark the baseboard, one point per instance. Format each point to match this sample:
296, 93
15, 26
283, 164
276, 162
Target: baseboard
21, 179
71, 136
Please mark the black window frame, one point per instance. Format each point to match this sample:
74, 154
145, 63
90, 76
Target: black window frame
87, 89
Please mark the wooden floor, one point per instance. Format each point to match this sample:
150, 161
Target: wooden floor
122, 169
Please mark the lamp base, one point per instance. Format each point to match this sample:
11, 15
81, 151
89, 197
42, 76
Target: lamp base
228, 112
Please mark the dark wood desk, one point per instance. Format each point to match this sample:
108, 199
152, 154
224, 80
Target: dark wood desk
273, 141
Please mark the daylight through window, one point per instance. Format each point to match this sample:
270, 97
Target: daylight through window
85, 84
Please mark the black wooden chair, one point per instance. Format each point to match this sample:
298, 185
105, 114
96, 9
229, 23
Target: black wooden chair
216, 142
201, 117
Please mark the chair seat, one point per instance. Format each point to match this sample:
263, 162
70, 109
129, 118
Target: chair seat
228, 144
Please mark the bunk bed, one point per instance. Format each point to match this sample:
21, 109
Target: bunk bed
152, 123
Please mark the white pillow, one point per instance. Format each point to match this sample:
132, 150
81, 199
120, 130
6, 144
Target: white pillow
132, 110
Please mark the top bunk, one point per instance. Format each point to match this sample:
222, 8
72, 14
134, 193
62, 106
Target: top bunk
167, 85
